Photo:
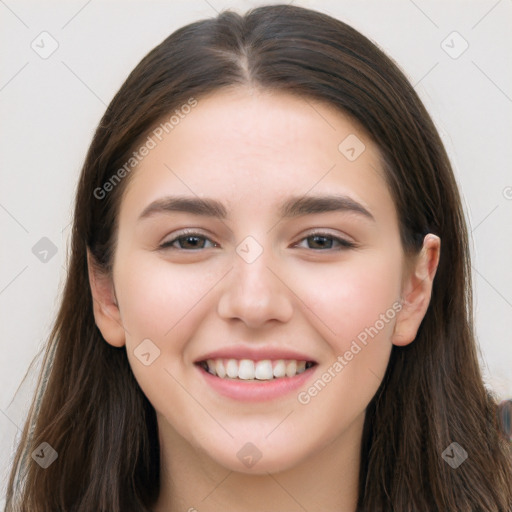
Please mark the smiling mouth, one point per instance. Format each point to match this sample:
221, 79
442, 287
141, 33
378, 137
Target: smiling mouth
249, 370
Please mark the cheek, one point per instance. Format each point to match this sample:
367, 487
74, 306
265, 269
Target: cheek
347, 298
355, 306
161, 301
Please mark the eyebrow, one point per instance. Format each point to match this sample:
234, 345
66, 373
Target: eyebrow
293, 207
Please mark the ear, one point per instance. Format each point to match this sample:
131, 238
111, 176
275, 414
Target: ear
106, 311
416, 291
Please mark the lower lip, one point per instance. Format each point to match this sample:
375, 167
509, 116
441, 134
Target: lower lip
256, 391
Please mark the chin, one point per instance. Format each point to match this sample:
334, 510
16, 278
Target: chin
258, 459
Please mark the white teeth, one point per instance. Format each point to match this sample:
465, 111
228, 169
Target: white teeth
263, 370
211, 366
232, 368
246, 369
291, 368
219, 368
279, 369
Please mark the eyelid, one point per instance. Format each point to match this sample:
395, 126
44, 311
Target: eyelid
183, 233
344, 242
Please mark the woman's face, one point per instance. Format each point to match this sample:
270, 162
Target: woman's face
283, 257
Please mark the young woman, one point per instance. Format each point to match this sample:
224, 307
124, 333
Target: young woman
268, 304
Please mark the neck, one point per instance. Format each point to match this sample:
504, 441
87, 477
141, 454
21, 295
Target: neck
193, 482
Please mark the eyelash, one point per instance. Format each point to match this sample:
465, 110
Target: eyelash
345, 244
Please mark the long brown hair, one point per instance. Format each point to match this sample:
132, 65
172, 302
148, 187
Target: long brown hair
89, 407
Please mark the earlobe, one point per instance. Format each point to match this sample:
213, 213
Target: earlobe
417, 291
106, 310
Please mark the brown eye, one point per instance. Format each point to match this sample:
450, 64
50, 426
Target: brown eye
188, 241
323, 241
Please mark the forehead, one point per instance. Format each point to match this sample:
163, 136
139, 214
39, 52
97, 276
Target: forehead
251, 148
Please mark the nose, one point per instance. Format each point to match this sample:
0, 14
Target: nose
255, 293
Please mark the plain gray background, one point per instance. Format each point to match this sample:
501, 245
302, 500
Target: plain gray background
49, 108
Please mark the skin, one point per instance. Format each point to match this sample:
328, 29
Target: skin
251, 150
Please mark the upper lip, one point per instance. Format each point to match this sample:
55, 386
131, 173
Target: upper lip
255, 354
